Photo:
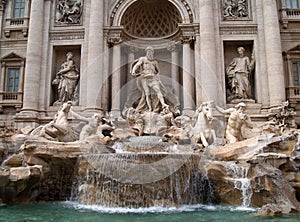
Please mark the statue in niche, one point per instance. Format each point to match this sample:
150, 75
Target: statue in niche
66, 81
146, 71
68, 11
152, 107
238, 74
235, 9
237, 119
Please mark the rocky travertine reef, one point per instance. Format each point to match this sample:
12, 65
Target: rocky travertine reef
260, 172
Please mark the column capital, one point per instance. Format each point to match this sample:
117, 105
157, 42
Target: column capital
188, 32
114, 36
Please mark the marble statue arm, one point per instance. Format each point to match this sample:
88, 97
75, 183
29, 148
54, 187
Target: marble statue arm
79, 117
67, 68
157, 71
223, 111
135, 67
248, 122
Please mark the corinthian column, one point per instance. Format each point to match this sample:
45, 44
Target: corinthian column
116, 81
273, 52
2, 6
208, 72
187, 79
95, 57
33, 58
174, 68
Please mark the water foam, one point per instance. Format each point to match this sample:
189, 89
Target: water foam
156, 209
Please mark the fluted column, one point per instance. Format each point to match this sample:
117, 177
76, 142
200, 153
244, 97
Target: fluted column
273, 52
2, 6
106, 70
116, 81
208, 64
130, 59
2, 79
33, 57
188, 82
174, 68
95, 57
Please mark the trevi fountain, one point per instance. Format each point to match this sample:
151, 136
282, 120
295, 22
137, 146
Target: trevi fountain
154, 160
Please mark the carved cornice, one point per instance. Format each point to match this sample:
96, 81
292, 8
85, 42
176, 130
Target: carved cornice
69, 35
238, 30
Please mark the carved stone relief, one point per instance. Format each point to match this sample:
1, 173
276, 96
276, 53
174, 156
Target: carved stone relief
236, 9
68, 12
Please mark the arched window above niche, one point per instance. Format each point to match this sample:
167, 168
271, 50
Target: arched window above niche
151, 19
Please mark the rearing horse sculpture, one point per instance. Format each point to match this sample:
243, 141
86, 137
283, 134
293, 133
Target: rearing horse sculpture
202, 131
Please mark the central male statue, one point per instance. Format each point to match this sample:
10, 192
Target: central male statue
146, 70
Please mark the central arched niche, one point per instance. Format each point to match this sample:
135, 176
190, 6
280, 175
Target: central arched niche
151, 19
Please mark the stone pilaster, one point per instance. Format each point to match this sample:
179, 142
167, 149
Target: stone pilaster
273, 52
95, 57
208, 64
33, 59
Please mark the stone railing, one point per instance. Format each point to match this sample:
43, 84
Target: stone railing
293, 13
293, 92
16, 24
11, 99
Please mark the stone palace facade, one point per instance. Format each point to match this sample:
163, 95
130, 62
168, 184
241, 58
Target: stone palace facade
196, 43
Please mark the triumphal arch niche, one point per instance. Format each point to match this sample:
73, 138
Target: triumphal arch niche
168, 26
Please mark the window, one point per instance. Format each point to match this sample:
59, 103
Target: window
13, 75
292, 4
19, 8
296, 73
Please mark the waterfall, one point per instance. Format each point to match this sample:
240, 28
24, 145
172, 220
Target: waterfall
142, 179
238, 174
139, 180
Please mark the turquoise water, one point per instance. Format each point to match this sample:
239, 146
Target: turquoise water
72, 212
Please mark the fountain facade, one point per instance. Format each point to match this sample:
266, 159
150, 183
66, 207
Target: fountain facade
156, 156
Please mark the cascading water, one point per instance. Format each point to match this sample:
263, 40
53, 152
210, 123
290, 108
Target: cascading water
238, 173
143, 179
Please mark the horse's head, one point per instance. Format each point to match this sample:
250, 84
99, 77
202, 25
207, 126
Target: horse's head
206, 109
